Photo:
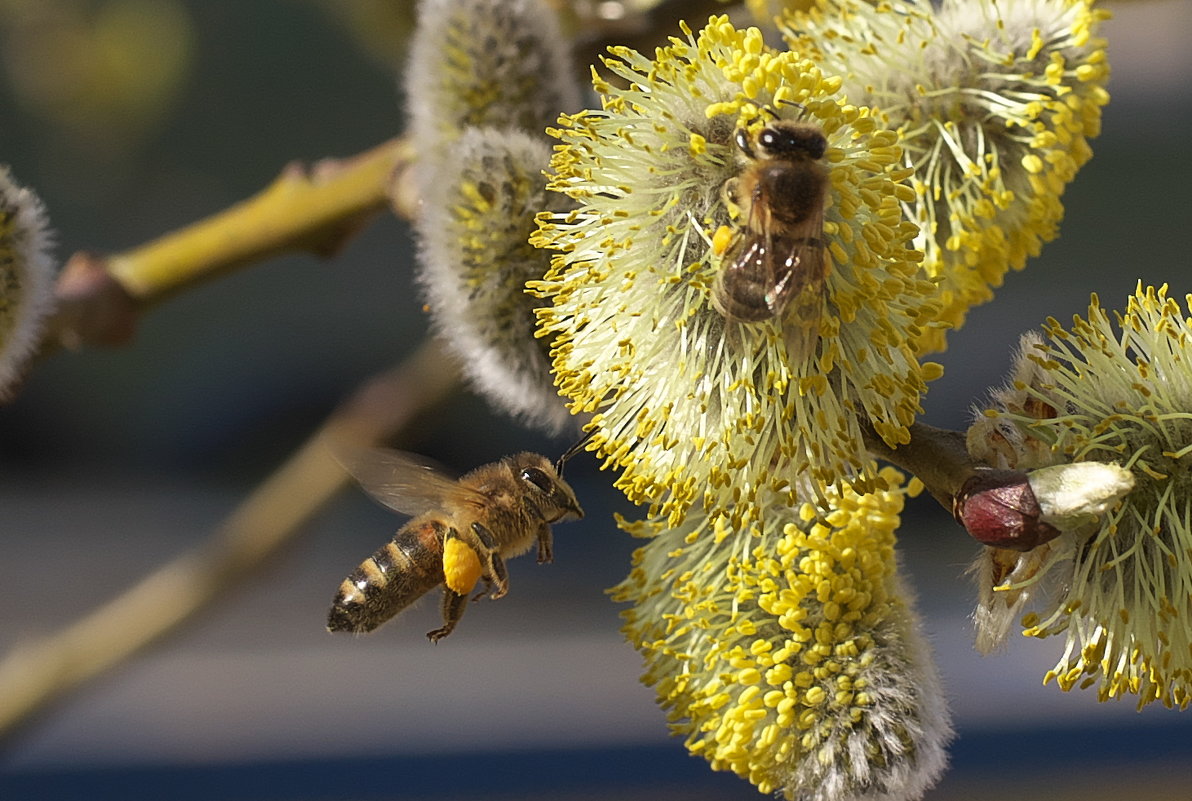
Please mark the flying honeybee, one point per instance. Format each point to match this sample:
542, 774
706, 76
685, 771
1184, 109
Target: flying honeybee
775, 258
462, 531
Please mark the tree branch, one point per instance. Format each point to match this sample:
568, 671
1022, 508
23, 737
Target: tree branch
316, 210
936, 456
996, 507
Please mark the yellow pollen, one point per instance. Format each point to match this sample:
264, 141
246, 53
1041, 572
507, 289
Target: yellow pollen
461, 566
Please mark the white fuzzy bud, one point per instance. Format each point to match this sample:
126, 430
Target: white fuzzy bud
486, 78
1072, 496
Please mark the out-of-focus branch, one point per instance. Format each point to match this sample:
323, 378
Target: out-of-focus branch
315, 209
37, 673
642, 27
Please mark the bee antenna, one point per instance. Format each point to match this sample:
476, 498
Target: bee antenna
794, 103
572, 451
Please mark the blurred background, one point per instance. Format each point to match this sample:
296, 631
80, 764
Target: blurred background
133, 117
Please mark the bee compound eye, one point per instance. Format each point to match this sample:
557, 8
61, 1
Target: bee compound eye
538, 478
742, 140
817, 146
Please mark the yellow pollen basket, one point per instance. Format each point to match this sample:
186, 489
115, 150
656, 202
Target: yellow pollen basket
461, 566
722, 239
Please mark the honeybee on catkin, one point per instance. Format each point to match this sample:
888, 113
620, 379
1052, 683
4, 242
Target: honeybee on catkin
461, 532
775, 257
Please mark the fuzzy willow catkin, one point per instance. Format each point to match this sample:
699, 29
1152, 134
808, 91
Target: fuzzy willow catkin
485, 79
26, 278
995, 104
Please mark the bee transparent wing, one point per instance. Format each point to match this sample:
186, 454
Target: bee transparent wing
403, 482
747, 275
800, 290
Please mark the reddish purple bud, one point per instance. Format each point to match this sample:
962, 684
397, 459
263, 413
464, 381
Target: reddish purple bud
999, 508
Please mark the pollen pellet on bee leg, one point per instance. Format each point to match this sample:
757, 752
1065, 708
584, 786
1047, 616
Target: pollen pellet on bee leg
721, 239
461, 565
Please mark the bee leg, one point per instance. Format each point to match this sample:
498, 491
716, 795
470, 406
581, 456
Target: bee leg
499, 576
545, 545
495, 574
453, 609
544, 538
731, 197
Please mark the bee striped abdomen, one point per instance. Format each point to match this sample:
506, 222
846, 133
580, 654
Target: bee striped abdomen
400, 572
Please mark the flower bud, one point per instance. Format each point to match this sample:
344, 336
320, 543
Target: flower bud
1074, 495
999, 508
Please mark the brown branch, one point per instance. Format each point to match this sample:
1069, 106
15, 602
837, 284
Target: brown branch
37, 673
937, 456
640, 30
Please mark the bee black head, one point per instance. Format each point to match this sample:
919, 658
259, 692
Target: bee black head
785, 139
538, 475
539, 478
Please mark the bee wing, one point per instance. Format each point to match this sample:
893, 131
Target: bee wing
787, 260
797, 262
747, 271
403, 482
761, 247
801, 287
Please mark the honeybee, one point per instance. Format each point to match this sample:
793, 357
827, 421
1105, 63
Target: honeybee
776, 256
461, 532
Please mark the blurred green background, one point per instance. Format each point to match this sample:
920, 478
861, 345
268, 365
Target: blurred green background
133, 117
